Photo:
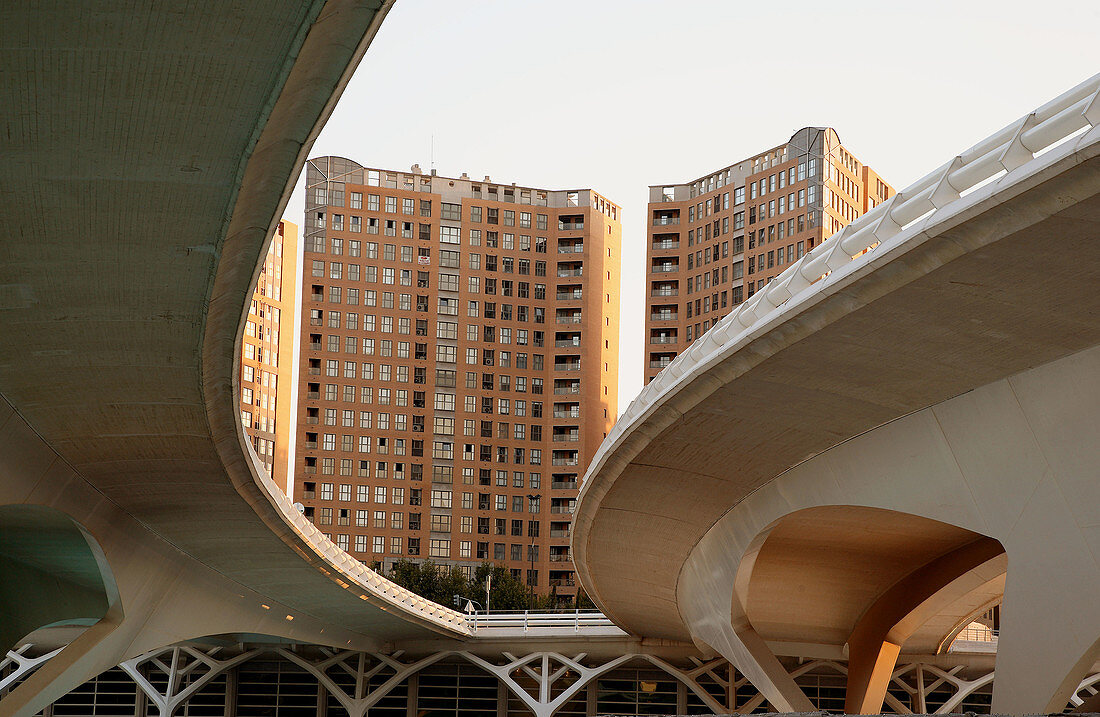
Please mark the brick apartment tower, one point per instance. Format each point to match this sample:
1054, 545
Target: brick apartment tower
267, 366
459, 365
715, 241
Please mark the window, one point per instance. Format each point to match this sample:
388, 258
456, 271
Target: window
449, 235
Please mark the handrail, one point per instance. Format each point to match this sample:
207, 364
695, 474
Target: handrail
1001, 153
527, 620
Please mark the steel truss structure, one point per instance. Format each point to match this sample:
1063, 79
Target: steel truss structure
318, 680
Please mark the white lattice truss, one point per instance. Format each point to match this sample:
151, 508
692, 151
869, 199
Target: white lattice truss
184, 670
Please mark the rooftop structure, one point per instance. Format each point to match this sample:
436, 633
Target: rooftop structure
715, 241
459, 365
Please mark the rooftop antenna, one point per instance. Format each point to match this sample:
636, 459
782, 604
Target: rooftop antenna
431, 152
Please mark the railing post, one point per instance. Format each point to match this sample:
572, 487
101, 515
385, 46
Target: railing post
525, 621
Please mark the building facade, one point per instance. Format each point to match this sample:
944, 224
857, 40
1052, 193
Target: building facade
715, 241
267, 365
459, 365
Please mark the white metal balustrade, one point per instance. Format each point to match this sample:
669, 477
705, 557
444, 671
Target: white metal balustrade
1006, 155
559, 622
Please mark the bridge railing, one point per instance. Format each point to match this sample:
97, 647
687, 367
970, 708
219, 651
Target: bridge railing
527, 620
999, 154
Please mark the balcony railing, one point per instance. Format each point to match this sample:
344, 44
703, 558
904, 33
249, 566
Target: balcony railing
559, 390
562, 582
665, 221
659, 364
570, 226
570, 272
567, 366
571, 248
559, 533
566, 509
660, 245
560, 558
566, 437
563, 485
315, 346
665, 292
662, 339
568, 296
576, 413
311, 445
313, 394
574, 319
664, 268
664, 317
563, 462
566, 343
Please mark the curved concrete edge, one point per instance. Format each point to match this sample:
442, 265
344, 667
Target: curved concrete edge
332, 49
158, 595
1041, 444
707, 364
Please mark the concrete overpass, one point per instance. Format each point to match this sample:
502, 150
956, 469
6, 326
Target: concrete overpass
148, 154
896, 434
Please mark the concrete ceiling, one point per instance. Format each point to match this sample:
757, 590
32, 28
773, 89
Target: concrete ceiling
1005, 286
148, 149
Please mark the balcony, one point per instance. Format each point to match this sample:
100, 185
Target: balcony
570, 226
664, 268
568, 366
665, 292
562, 582
662, 339
568, 319
562, 273
315, 346
564, 533
312, 420
316, 321
560, 558
575, 413
665, 221
315, 395
317, 297
664, 316
665, 244
563, 485
562, 390
568, 295
660, 364
563, 462
571, 248
567, 343
311, 445
566, 509
566, 437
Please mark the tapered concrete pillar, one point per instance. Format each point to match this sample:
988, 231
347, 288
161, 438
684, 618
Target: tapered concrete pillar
98, 648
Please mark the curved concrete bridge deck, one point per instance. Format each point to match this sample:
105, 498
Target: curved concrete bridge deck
899, 432
147, 156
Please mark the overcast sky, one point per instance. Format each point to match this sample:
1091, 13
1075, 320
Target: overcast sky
617, 95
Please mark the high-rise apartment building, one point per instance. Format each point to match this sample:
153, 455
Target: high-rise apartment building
459, 365
715, 241
267, 367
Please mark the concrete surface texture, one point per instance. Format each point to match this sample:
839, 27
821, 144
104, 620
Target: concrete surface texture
919, 421
147, 159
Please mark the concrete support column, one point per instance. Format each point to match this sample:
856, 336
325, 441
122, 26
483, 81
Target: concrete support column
97, 649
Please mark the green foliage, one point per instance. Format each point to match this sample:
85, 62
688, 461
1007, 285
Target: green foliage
441, 584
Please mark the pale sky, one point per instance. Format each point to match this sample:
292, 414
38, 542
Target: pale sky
618, 95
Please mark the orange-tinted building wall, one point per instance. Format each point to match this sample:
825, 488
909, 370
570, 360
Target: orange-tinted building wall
267, 367
459, 365
714, 242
